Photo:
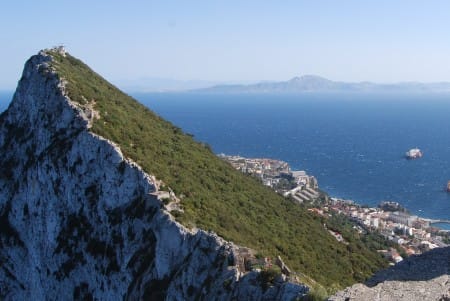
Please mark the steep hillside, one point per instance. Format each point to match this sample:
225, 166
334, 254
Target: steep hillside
213, 195
79, 221
80, 169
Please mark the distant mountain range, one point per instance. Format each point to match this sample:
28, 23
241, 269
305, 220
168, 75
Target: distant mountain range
312, 83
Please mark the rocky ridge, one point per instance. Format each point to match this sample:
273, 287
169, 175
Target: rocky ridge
78, 220
422, 277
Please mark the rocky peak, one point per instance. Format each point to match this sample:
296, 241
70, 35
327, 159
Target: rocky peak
79, 220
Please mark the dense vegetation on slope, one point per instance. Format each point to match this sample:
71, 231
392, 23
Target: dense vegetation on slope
214, 195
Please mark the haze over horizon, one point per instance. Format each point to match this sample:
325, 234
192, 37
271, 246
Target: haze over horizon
349, 41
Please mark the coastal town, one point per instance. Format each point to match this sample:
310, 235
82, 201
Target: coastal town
413, 234
278, 175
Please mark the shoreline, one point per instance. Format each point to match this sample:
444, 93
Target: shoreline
431, 221
413, 233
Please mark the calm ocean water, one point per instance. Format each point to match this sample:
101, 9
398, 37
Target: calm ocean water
353, 143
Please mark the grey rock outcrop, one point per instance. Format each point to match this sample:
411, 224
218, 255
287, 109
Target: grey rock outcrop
78, 220
422, 277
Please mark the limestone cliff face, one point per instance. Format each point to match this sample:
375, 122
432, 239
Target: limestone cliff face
422, 277
78, 220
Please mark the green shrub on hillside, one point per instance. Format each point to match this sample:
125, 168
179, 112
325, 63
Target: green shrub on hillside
214, 195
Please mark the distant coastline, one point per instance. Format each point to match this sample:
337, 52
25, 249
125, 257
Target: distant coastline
313, 83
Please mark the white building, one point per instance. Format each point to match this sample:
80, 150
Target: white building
375, 222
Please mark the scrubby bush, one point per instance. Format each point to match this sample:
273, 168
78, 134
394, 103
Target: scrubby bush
216, 196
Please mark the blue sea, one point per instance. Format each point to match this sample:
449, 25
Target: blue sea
353, 143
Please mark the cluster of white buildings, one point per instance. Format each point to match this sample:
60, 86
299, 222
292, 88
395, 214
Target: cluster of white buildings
278, 175
306, 189
411, 232
267, 168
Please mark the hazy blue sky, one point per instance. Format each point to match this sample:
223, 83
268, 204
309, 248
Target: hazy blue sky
381, 41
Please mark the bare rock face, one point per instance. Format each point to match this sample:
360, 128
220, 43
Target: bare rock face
78, 220
422, 277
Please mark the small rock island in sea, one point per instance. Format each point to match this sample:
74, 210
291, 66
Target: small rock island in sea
414, 153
